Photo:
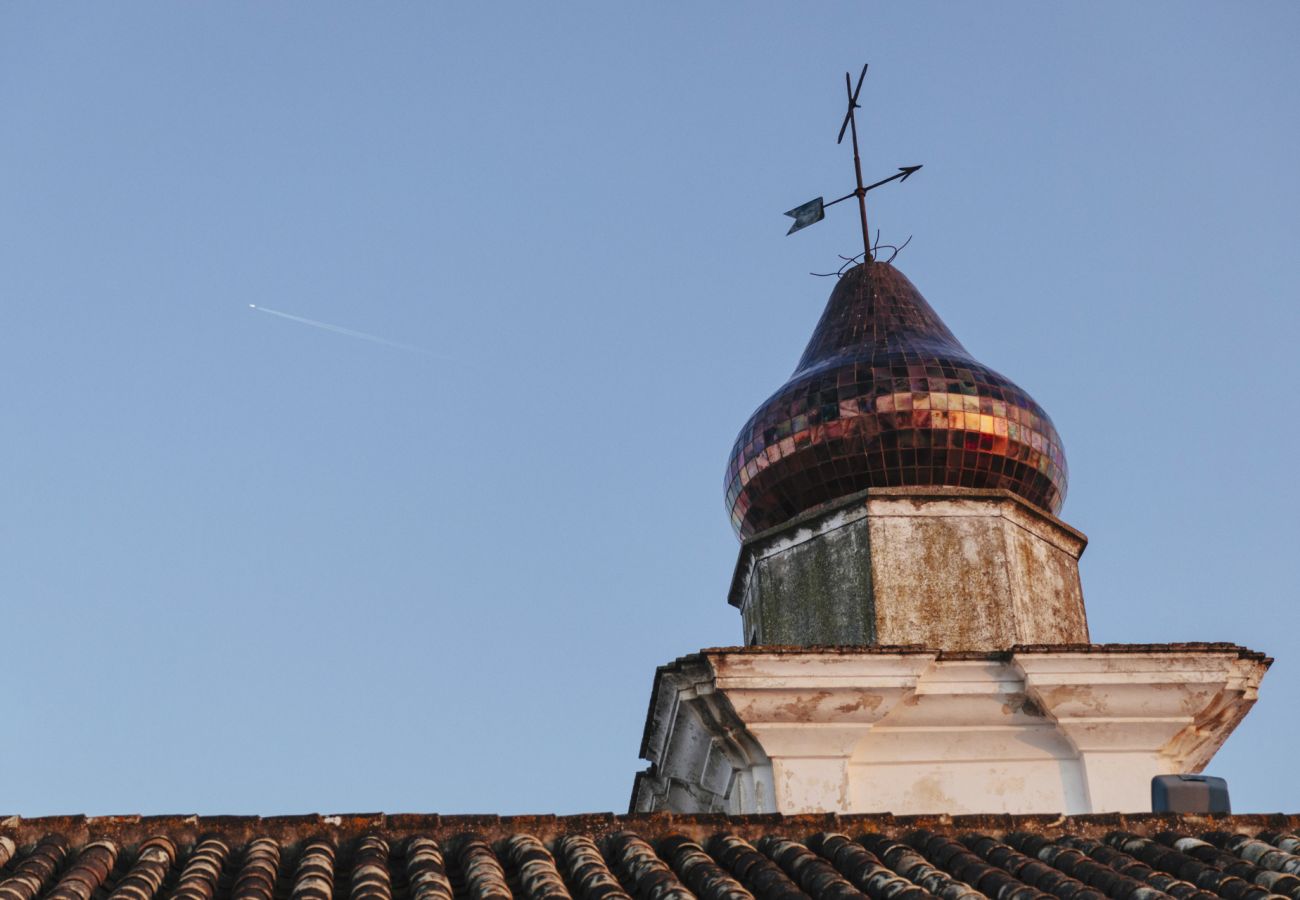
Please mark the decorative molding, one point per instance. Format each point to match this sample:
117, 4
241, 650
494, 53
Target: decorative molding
1040, 729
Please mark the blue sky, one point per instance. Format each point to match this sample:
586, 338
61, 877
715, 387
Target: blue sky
248, 565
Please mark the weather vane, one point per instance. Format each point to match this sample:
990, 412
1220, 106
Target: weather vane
815, 210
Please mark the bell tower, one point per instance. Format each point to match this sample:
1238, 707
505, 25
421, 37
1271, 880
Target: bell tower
914, 633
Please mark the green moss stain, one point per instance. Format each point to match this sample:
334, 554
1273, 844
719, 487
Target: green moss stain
817, 592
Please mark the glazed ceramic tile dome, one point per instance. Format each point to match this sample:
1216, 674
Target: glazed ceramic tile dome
885, 396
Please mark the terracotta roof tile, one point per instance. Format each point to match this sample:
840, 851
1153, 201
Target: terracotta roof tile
154, 859
812, 866
641, 869
1289, 843
1207, 877
370, 878
660, 857
702, 874
258, 871
1046, 877
953, 856
766, 879
202, 870
1205, 851
1260, 852
36, 870
426, 870
911, 865
84, 877
314, 877
1127, 865
1110, 882
588, 872
484, 876
535, 868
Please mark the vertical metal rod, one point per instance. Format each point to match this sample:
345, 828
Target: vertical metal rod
857, 169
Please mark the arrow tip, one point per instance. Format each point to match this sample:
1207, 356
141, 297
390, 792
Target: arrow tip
907, 171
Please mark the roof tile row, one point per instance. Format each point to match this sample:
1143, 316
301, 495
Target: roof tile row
754, 858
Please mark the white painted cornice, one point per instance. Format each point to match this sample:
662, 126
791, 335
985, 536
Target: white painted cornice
904, 730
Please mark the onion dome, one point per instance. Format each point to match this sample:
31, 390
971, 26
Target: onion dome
886, 396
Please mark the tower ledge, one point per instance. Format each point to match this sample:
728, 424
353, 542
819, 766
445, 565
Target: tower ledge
909, 730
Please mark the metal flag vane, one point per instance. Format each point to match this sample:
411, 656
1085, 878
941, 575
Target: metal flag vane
815, 210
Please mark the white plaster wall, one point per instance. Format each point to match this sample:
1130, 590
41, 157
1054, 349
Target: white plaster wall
974, 786
858, 730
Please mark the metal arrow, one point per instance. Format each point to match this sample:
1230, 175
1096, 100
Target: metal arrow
814, 210
900, 176
903, 173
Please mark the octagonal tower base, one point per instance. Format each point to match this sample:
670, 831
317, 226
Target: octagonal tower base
944, 567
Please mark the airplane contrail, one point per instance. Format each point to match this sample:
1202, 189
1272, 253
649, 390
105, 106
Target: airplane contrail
346, 332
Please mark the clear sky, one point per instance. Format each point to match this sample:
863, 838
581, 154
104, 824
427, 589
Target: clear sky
250, 565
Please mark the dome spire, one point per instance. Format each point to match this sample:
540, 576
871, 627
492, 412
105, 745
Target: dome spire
885, 396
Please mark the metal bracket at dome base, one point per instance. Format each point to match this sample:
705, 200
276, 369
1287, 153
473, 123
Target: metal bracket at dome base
851, 261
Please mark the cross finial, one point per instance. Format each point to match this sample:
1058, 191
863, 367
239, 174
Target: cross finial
851, 123
815, 210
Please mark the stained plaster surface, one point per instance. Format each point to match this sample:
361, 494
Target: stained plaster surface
952, 568
1080, 728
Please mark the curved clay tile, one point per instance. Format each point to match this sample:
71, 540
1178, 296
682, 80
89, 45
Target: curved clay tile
370, 880
1134, 868
1277, 882
35, 872
1261, 853
762, 877
914, 867
484, 877
153, 861
426, 870
258, 871
650, 877
1283, 840
814, 874
1174, 862
587, 870
535, 868
864, 869
314, 877
954, 857
1041, 875
84, 876
1077, 864
202, 870
699, 871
